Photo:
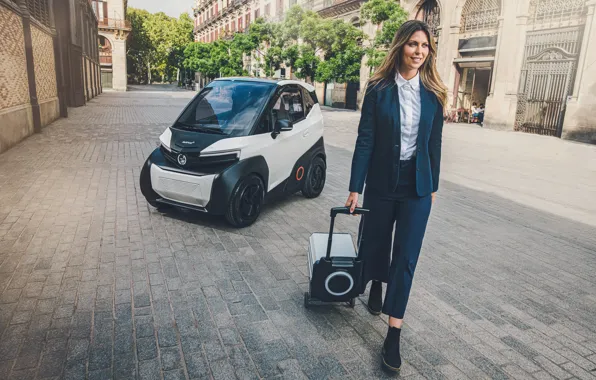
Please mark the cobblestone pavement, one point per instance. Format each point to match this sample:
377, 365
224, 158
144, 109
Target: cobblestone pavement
96, 284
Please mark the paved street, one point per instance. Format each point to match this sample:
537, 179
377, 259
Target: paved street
96, 284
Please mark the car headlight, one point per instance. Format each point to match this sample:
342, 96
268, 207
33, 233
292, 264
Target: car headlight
165, 139
218, 153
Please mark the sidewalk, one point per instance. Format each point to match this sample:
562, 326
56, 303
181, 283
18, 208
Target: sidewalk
549, 174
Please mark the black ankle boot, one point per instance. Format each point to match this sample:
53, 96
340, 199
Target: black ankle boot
375, 298
391, 356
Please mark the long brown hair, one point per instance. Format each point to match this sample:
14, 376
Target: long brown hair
428, 71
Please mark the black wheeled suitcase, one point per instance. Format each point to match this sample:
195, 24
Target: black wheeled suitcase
334, 267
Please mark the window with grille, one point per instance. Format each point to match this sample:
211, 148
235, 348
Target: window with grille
430, 13
257, 14
546, 11
267, 9
40, 10
480, 15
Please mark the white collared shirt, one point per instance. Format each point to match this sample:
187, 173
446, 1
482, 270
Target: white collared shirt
409, 112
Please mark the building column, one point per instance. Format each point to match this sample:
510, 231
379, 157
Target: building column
580, 121
58, 15
119, 79
447, 52
501, 104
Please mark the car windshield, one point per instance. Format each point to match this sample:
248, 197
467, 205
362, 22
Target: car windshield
226, 107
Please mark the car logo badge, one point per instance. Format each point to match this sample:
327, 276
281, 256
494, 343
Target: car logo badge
182, 159
188, 142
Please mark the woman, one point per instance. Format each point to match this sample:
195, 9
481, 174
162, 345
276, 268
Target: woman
398, 155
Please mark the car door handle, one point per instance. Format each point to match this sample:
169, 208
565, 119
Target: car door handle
305, 133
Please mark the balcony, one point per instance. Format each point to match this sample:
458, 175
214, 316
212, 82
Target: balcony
113, 23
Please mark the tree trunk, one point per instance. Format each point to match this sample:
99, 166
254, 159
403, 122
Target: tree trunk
148, 72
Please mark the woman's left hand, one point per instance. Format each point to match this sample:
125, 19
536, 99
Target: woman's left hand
433, 196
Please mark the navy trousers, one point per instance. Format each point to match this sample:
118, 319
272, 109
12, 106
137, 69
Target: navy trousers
406, 213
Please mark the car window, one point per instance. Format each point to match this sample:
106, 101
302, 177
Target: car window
226, 107
309, 103
288, 105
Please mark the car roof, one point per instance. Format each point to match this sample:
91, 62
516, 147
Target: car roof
278, 82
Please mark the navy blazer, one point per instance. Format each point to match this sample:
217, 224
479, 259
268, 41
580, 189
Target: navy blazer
377, 152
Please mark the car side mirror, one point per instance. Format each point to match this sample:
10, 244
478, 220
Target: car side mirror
281, 126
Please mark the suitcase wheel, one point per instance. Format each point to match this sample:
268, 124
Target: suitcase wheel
306, 300
352, 302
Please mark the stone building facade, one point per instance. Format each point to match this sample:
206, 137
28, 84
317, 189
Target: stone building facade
217, 18
528, 61
49, 62
113, 32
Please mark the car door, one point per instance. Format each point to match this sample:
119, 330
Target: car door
287, 146
281, 152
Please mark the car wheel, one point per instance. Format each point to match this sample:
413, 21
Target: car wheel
246, 201
315, 178
147, 190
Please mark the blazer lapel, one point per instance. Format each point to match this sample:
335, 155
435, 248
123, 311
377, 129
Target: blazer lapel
427, 110
395, 112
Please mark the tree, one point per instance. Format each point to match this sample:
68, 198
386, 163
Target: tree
388, 15
343, 54
139, 50
197, 57
157, 44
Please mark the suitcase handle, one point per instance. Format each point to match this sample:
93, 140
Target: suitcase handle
343, 210
346, 210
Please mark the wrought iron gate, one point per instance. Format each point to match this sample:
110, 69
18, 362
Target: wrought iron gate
550, 64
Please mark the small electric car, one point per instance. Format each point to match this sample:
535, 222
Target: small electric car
239, 141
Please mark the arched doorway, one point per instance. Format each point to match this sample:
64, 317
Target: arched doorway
430, 12
105, 60
552, 47
474, 64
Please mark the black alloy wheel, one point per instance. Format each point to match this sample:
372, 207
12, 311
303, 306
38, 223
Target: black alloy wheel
315, 178
246, 201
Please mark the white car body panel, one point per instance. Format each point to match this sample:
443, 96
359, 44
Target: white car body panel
179, 187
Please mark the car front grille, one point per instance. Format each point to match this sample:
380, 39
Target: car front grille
205, 165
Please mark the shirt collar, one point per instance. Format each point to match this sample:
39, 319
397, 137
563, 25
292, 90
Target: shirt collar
414, 82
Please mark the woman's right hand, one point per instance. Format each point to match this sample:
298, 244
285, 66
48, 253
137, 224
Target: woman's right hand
352, 201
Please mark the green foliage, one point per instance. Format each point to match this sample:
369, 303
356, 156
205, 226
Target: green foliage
198, 58
375, 56
299, 42
342, 67
378, 11
157, 44
385, 36
307, 63
388, 15
140, 50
